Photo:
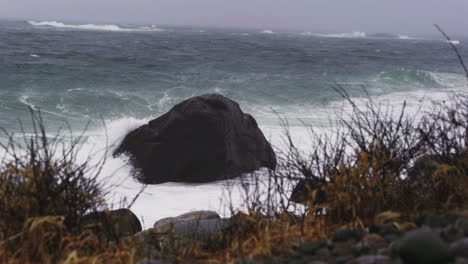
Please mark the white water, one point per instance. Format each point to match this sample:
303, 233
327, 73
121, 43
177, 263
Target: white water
56, 24
267, 32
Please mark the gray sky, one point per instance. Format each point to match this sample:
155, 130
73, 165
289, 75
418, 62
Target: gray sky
393, 16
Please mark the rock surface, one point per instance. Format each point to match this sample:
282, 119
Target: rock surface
423, 246
112, 224
201, 221
204, 138
460, 248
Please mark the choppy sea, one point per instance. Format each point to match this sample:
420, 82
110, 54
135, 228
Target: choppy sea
117, 77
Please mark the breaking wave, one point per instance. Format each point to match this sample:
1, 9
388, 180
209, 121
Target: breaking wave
267, 32
355, 34
56, 24
454, 42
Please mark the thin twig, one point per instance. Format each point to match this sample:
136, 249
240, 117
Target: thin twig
136, 196
455, 49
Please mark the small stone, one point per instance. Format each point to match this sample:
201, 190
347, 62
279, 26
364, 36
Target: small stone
311, 247
462, 224
435, 221
371, 259
391, 238
460, 260
451, 233
342, 248
423, 246
344, 259
323, 254
348, 234
460, 248
384, 229
375, 241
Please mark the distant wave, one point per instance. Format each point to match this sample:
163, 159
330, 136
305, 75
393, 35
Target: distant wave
356, 34
454, 42
267, 32
359, 34
56, 24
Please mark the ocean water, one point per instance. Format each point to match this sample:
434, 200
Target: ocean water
117, 77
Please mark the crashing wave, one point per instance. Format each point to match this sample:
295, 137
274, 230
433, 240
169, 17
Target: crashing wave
56, 24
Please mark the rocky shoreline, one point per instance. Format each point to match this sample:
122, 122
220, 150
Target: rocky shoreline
440, 238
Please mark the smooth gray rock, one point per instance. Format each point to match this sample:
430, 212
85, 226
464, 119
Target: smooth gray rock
423, 246
166, 224
460, 248
200, 227
202, 139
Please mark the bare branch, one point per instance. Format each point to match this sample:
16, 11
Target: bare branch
454, 47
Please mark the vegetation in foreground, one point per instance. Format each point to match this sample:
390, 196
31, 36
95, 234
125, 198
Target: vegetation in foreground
380, 167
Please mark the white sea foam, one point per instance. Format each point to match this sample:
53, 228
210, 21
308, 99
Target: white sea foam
116, 28
267, 31
454, 42
34, 55
355, 34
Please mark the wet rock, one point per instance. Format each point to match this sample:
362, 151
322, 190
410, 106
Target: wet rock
112, 224
423, 246
202, 139
311, 247
460, 248
348, 234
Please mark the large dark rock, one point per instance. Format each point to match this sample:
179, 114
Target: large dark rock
202, 139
